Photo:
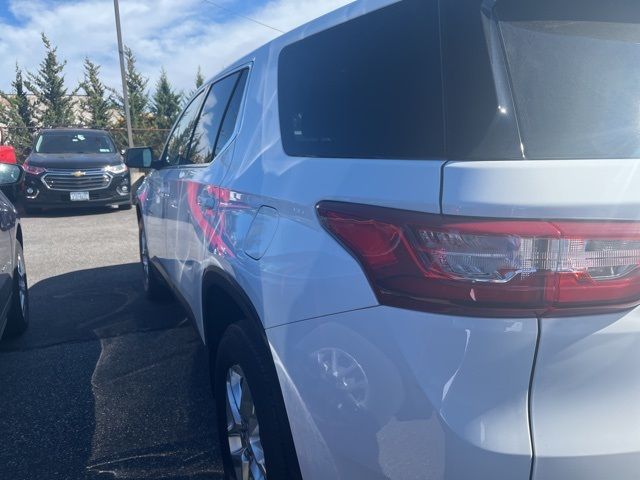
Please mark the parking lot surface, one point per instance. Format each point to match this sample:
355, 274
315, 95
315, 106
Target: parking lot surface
104, 384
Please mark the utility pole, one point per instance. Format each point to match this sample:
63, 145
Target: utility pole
125, 90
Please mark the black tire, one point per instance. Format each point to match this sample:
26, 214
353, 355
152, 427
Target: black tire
154, 286
126, 206
18, 316
240, 346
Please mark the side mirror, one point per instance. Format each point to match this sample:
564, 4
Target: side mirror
10, 174
139, 157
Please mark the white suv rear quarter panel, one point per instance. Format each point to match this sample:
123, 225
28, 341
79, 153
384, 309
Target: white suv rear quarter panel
305, 273
425, 396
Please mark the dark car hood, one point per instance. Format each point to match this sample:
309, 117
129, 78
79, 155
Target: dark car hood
74, 160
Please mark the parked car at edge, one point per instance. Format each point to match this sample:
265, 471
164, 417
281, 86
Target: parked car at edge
409, 234
14, 291
7, 154
11, 190
75, 168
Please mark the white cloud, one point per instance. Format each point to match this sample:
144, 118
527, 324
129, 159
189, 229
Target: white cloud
177, 34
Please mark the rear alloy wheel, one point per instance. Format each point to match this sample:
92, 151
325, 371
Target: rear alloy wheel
252, 421
154, 286
18, 316
243, 428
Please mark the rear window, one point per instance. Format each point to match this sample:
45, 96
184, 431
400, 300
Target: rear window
366, 88
537, 80
575, 73
74, 142
480, 117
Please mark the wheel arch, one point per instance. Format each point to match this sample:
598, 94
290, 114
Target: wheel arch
224, 302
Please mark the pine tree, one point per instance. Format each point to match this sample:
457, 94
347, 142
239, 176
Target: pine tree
199, 82
17, 114
199, 78
55, 105
138, 106
96, 105
165, 103
137, 90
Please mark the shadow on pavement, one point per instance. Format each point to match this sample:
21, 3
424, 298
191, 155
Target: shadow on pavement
67, 212
105, 384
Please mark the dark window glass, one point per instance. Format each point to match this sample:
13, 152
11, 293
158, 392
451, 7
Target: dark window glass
231, 117
74, 142
177, 147
215, 106
480, 117
575, 76
368, 88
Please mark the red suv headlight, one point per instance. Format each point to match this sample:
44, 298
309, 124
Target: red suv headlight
32, 169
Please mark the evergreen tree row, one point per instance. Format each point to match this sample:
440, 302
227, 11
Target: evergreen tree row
41, 100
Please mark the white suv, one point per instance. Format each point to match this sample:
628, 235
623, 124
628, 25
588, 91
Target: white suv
408, 233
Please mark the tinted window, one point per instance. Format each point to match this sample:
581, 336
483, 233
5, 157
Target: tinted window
369, 88
575, 76
177, 147
74, 142
231, 117
479, 115
208, 127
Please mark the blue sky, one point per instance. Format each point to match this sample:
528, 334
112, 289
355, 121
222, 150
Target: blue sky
179, 35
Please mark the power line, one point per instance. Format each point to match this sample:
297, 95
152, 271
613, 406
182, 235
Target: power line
243, 16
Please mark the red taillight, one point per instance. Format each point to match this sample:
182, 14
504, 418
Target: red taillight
473, 266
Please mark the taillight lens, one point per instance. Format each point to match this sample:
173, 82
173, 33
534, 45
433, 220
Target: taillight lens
471, 266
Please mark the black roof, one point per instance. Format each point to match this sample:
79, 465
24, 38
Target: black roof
72, 130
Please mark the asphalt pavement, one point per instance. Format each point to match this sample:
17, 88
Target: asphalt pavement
104, 384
